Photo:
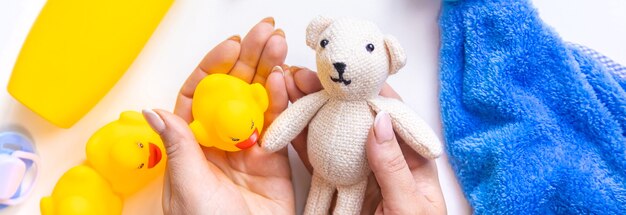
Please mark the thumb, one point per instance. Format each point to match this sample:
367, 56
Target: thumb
389, 166
185, 159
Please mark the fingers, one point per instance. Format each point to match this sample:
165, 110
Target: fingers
220, 59
185, 160
299, 144
251, 48
389, 167
278, 99
274, 54
250, 59
277, 93
307, 80
389, 92
293, 91
300, 82
183, 108
419, 166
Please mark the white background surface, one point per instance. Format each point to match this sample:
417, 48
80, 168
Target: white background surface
192, 27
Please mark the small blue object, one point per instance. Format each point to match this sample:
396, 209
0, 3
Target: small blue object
533, 125
17, 158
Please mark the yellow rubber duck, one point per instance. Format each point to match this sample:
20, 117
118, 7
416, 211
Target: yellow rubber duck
122, 157
228, 112
126, 153
82, 190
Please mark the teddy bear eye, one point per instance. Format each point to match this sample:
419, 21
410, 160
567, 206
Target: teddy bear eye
370, 47
323, 43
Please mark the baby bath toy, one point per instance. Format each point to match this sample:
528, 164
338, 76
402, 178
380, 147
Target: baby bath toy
18, 161
122, 157
228, 112
82, 190
354, 59
127, 153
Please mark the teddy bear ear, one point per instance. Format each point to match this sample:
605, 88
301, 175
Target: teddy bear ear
315, 28
397, 56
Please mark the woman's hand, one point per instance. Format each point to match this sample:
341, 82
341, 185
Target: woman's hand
203, 180
406, 183
403, 181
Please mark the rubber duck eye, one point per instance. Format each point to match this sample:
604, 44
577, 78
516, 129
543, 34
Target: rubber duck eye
140, 145
370, 47
234, 139
141, 166
323, 43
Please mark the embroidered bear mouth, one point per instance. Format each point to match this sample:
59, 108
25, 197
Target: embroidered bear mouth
341, 80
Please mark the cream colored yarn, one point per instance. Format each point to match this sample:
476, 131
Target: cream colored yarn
340, 116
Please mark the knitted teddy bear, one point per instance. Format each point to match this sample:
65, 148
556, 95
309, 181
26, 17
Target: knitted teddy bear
353, 60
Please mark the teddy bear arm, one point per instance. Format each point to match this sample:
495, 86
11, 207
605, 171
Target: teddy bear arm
409, 126
292, 121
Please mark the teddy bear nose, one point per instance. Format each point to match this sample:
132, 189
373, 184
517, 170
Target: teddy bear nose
340, 67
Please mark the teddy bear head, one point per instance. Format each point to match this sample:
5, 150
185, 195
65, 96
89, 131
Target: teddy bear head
353, 57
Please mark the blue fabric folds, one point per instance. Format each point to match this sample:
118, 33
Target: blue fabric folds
532, 124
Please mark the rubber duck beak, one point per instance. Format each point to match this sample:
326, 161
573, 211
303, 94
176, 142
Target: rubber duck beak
155, 156
254, 137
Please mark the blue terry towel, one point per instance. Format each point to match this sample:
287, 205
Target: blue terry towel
532, 124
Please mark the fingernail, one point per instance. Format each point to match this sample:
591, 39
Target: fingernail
284, 67
279, 32
287, 72
154, 120
278, 69
235, 38
382, 127
269, 20
295, 68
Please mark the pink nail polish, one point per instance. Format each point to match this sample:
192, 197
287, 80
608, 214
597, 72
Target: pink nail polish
154, 120
383, 129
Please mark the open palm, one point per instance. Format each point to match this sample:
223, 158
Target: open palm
203, 180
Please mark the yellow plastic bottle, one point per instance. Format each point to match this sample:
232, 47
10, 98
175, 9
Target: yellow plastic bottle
77, 50
228, 112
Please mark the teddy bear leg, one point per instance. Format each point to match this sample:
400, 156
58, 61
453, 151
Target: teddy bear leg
350, 198
320, 196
